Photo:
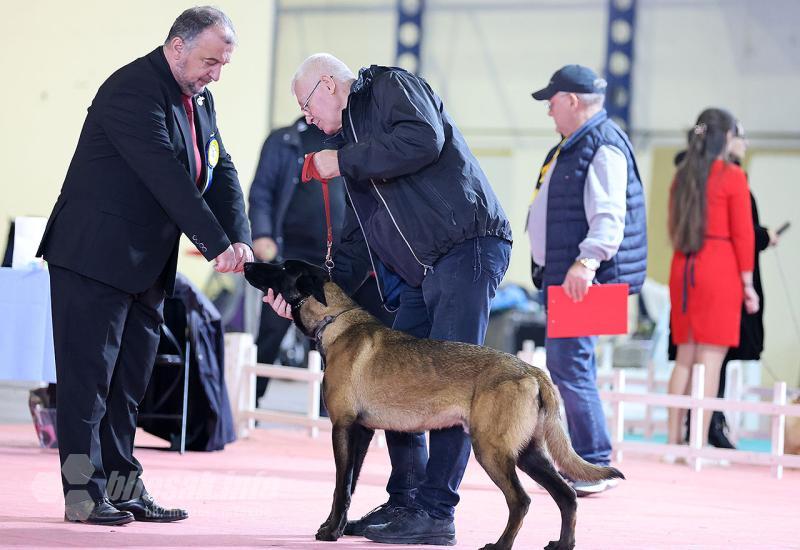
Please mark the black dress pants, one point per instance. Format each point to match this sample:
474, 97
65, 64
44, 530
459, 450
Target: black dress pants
105, 343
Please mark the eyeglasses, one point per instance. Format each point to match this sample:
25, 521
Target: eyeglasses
304, 108
549, 102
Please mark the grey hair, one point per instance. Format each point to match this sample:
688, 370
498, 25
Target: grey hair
195, 20
322, 64
591, 100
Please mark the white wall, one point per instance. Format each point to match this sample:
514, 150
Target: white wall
773, 180
740, 54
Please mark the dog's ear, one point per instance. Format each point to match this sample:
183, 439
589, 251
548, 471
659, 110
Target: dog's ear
310, 279
318, 279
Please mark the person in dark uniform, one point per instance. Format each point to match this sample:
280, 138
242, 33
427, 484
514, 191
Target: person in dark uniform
287, 219
149, 165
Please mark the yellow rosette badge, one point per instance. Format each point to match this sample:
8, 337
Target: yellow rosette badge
212, 157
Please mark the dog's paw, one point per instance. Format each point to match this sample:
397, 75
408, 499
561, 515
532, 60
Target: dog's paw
490, 546
325, 532
557, 545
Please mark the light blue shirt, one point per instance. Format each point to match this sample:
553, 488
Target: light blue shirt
604, 201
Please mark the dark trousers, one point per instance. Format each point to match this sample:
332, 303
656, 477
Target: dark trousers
452, 304
105, 346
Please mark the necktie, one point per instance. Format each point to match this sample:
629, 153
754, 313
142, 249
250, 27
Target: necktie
198, 163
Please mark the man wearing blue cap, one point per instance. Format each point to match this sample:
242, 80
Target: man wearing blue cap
586, 224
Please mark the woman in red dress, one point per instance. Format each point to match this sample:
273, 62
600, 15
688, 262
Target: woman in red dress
711, 228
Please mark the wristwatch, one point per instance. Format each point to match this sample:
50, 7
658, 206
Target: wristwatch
589, 263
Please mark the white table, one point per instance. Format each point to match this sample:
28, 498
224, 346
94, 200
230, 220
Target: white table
26, 328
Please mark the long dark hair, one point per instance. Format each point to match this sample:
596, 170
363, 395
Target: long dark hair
687, 215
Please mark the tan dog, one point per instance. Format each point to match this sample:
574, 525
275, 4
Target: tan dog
378, 378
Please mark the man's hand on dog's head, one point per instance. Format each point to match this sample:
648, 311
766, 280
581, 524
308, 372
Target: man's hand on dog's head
278, 304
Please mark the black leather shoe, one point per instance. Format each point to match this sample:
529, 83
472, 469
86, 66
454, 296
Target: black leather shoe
101, 512
145, 508
378, 516
414, 526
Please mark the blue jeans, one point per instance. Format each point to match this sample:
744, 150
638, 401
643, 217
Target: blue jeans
452, 304
572, 365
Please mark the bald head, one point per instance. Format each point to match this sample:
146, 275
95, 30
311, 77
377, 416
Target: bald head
321, 86
194, 21
322, 64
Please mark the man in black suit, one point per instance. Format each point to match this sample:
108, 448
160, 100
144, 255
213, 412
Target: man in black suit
149, 166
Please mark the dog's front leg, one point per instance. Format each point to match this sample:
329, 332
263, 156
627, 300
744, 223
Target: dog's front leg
343, 456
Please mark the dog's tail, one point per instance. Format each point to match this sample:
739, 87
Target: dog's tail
552, 432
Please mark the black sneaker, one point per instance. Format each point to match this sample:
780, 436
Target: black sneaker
378, 516
414, 526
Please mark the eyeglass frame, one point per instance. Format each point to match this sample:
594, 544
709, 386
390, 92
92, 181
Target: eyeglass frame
549, 102
304, 108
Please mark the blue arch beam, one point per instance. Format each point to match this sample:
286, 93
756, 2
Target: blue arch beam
409, 34
620, 60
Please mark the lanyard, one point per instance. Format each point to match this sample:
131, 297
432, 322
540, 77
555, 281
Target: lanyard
310, 172
546, 168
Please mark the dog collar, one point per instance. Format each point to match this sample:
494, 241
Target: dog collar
323, 324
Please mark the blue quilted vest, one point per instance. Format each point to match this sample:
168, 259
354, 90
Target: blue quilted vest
566, 217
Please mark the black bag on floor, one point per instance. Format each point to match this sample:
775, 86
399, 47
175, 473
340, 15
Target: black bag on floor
209, 421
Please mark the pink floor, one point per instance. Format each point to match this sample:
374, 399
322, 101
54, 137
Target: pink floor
274, 489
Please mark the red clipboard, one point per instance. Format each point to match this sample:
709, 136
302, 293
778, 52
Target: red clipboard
604, 310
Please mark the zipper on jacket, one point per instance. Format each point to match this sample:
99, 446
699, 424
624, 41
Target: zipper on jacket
369, 252
361, 225
425, 267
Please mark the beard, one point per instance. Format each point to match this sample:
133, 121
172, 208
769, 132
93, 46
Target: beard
188, 87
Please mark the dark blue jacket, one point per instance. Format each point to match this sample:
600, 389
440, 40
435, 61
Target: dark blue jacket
566, 217
414, 187
280, 202
277, 174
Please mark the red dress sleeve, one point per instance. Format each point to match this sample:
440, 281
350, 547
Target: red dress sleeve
740, 218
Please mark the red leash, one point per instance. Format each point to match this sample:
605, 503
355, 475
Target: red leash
310, 172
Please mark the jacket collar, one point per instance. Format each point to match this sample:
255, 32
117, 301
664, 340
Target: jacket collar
360, 90
159, 61
366, 75
597, 119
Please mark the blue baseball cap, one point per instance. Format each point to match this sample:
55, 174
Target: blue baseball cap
572, 78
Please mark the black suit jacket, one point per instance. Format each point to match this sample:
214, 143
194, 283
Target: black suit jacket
130, 188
